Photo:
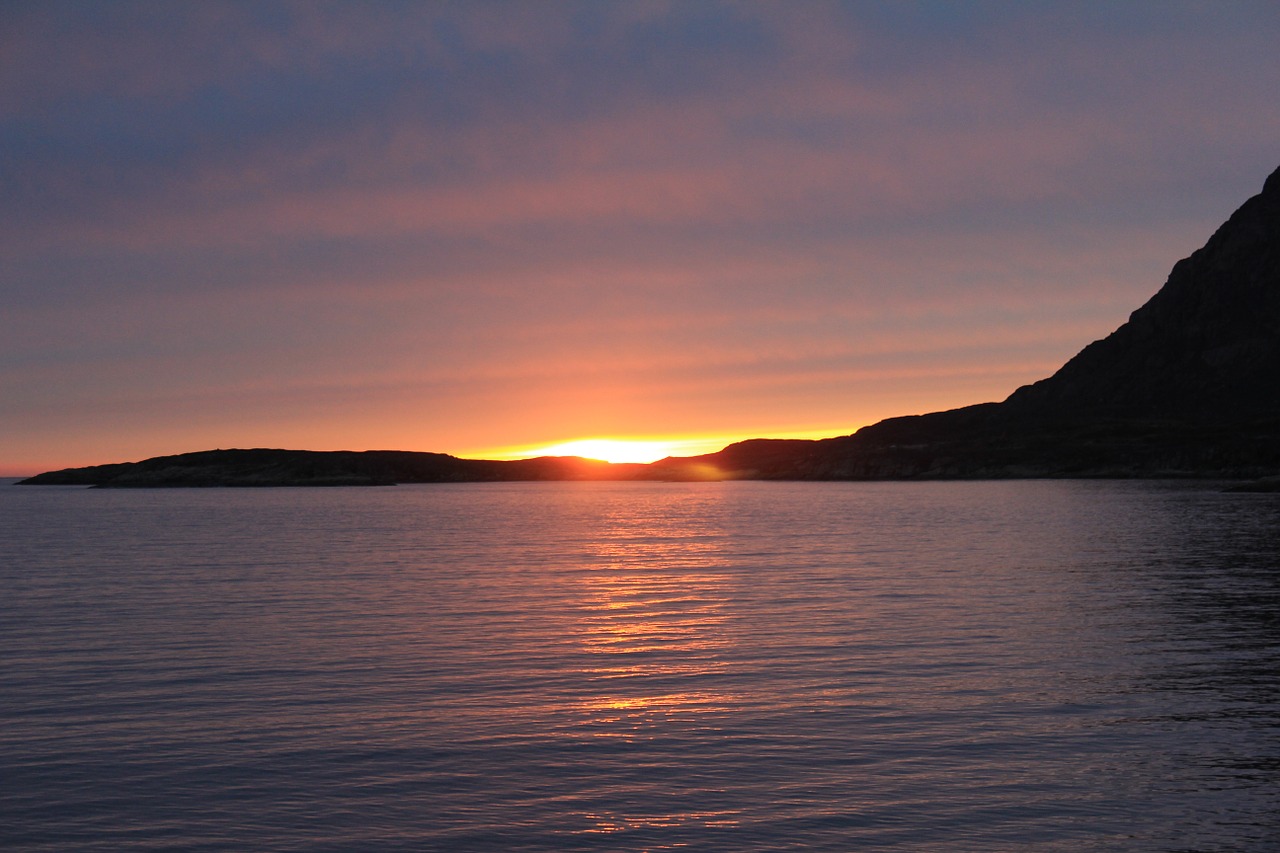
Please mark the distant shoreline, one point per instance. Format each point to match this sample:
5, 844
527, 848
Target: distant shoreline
1130, 450
1189, 387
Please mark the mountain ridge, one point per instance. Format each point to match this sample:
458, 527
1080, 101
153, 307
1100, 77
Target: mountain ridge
1188, 386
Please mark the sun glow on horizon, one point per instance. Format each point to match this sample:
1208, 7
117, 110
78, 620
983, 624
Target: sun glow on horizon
641, 450
612, 450
615, 450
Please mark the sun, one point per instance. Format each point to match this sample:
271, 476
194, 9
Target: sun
642, 450
611, 450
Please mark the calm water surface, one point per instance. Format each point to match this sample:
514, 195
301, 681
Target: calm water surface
732, 666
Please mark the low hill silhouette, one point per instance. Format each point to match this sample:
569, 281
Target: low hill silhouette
1189, 386
276, 467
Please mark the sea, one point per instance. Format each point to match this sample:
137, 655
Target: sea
738, 666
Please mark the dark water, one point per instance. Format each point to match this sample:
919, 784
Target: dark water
738, 666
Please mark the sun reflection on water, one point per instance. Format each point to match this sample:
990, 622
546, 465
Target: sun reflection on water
604, 824
645, 628
655, 620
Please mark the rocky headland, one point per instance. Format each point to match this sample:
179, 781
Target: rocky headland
1188, 387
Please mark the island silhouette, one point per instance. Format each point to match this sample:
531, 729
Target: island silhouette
1189, 386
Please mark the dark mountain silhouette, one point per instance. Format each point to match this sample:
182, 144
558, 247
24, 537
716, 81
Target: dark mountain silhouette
1189, 386
1206, 346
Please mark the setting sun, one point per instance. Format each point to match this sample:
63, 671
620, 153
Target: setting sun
612, 450
644, 449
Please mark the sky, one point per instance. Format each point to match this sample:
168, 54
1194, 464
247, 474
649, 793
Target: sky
484, 228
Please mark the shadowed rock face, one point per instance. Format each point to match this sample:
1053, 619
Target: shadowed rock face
1205, 347
1189, 386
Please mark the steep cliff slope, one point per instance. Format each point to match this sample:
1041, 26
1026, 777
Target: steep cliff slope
1189, 386
1206, 346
